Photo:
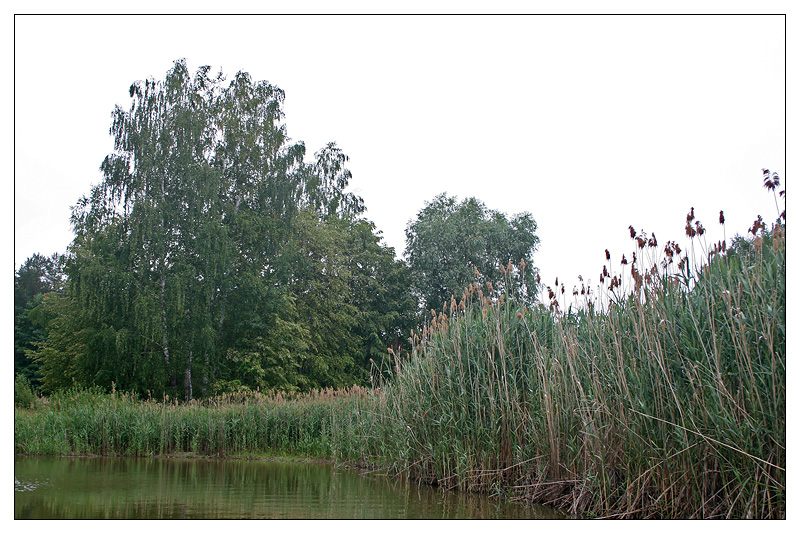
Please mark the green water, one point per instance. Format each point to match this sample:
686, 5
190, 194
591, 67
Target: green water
157, 488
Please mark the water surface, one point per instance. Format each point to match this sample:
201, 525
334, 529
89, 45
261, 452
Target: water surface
165, 488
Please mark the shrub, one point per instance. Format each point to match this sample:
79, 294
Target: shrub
24, 397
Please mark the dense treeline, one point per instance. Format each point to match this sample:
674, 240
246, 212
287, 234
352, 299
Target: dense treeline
214, 258
36, 277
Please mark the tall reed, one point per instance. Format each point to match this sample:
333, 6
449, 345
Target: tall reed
321, 424
669, 401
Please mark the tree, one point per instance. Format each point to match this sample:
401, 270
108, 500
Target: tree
186, 229
352, 295
65, 356
211, 257
381, 292
449, 240
36, 277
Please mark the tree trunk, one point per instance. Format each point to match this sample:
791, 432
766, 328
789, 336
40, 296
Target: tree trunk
187, 377
164, 343
204, 382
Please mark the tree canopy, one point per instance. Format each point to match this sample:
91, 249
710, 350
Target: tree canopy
449, 240
211, 257
35, 278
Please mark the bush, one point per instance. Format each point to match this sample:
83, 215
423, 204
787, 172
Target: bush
24, 397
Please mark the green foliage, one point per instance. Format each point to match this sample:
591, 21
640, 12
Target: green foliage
26, 334
449, 241
379, 292
63, 356
351, 298
37, 276
24, 397
212, 258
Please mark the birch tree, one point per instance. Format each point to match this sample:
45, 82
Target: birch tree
212, 257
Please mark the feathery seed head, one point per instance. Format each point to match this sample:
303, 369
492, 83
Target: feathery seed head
700, 229
758, 224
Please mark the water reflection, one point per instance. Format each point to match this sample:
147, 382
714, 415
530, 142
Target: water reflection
93, 488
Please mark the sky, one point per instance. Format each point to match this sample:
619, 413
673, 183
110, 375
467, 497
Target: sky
590, 123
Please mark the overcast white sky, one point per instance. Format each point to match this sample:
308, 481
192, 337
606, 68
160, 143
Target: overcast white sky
590, 123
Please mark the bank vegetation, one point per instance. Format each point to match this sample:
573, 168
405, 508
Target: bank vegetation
666, 399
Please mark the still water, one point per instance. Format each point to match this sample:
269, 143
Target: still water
159, 488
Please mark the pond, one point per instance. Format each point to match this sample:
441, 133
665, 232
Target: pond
167, 488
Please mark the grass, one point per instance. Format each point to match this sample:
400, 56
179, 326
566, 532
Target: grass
663, 395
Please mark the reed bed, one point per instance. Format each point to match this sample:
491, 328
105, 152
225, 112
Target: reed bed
668, 400
322, 424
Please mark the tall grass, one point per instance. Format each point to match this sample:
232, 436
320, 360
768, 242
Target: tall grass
322, 424
662, 396
667, 401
